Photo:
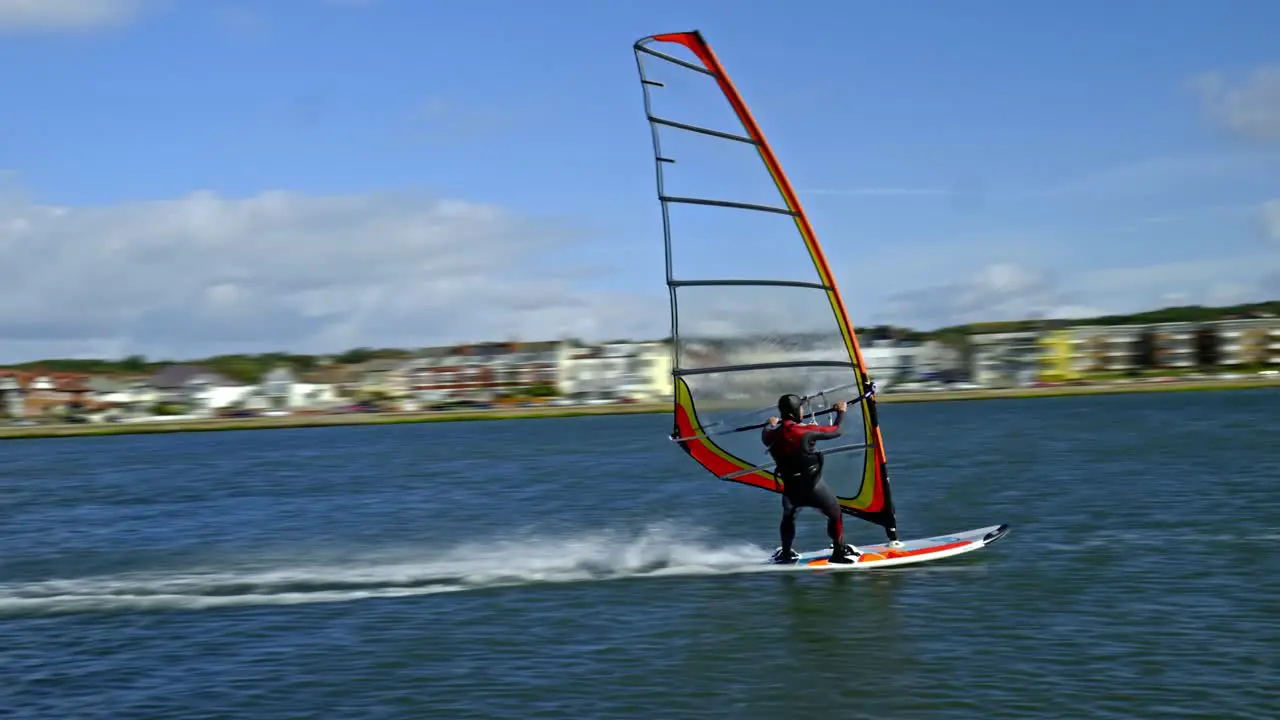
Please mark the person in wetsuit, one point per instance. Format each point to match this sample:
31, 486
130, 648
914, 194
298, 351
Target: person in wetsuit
799, 468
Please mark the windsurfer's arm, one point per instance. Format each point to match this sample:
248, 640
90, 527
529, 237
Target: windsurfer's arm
766, 435
814, 433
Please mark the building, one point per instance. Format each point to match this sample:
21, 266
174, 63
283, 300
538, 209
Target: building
384, 376
656, 371
886, 363
1059, 356
1179, 346
486, 372
1005, 359
281, 389
123, 397
929, 361
620, 370
12, 394
1118, 347
197, 389
1176, 346
1247, 342
39, 393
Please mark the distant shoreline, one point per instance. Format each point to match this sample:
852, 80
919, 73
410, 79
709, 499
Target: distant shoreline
386, 418
1116, 388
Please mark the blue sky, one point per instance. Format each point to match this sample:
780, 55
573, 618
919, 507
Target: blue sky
966, 161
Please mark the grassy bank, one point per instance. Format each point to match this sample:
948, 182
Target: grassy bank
295, 421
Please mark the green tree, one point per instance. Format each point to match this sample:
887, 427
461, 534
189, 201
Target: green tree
242, 368
134, 364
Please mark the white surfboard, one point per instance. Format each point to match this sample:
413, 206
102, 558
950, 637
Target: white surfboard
908, 553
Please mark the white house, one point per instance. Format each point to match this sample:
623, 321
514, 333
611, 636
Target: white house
654, 369
912, 361
127, 397
198, 388
281, 389
1008, 358
11, 396
636, 371
886, 363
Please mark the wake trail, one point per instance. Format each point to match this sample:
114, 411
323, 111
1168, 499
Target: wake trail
657, 551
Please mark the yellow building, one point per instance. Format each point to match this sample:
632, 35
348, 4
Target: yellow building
1057, 361
657, 365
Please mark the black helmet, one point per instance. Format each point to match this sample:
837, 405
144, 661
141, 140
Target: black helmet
789, 406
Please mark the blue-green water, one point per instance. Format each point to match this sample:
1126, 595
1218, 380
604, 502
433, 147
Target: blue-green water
585, 568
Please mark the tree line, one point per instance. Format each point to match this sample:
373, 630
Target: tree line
251, 367
241, 367
1179, 313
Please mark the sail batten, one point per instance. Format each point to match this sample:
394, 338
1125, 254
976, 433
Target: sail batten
753, 283
727, 204
702, 130
674, 60
738, 344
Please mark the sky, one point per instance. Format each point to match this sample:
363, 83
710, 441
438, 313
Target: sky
182, 178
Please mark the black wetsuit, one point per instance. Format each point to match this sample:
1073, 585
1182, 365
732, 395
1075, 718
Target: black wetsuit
799, 467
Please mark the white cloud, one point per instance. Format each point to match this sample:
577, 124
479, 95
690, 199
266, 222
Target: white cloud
203, 274
1008, 291
1251, 109
65, 15
1000, 291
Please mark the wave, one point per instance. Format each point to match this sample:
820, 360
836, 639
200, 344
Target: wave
659, 550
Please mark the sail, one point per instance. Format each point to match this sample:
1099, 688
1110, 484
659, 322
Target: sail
755, 311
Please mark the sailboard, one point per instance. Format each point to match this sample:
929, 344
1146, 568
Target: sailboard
755, 310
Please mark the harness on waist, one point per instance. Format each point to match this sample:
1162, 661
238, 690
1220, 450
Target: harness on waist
795, 461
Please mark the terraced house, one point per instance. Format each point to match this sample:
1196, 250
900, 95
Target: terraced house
196, 388
387, 377
617, 371
32, 394
486, 371
1073, 353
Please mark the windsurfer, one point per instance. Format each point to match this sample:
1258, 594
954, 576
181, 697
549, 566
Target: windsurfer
799, 469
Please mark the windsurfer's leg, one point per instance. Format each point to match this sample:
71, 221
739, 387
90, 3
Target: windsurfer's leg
825, 500
788, 526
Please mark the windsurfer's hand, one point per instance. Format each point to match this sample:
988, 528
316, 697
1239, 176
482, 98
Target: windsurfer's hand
772, 421
840, 406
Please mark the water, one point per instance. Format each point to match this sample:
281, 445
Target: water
584, 568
